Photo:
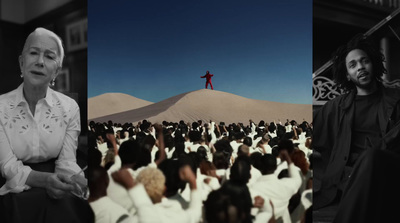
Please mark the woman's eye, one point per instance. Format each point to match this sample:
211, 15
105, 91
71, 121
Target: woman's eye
33, 53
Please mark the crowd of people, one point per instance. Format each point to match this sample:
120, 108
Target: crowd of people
200, 172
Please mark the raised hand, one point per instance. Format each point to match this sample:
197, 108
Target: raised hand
124, 178
284, 155
186, 174
258, 202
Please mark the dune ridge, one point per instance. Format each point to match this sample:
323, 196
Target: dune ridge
213, 105
111, 103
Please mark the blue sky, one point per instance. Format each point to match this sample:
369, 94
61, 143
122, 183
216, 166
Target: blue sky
154, 50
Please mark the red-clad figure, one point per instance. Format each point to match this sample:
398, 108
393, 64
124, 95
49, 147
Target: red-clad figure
208, 79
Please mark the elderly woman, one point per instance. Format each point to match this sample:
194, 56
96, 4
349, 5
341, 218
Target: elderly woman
39, 131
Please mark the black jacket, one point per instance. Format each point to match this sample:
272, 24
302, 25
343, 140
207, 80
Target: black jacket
332, 139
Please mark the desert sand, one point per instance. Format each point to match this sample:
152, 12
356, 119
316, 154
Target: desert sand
212, 105
111, 103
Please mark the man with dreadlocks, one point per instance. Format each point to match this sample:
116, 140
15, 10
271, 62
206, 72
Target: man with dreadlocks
354, 136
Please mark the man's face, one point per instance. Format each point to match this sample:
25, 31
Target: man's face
359, 68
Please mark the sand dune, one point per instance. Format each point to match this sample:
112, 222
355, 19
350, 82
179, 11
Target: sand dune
111, 103
213, 105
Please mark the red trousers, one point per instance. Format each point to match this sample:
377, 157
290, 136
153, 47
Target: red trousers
209, 82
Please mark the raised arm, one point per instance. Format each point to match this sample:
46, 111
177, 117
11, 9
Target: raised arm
252, 126
294, 179
212, 133
296, 136
140, 199
113, 141
161, 145
194, 211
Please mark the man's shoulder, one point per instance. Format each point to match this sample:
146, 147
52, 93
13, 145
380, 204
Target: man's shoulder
337, 100
334, 106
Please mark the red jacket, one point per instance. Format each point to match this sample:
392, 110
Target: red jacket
208, 77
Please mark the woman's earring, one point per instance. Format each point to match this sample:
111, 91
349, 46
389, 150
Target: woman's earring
53, 82
22, 76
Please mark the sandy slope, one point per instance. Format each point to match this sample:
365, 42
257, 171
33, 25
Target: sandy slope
214, 105
111, 103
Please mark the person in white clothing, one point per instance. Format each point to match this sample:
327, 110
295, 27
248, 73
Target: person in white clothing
278, 190
37, 123
134, 158
147, 196
128, 153
263, 145
244, 150
236, 142
195, 141
104, 208
253, 129
233, 202
39, 130
173, 183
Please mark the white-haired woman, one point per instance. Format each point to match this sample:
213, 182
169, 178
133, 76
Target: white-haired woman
39, 129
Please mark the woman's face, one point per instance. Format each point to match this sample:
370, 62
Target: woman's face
39, 61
